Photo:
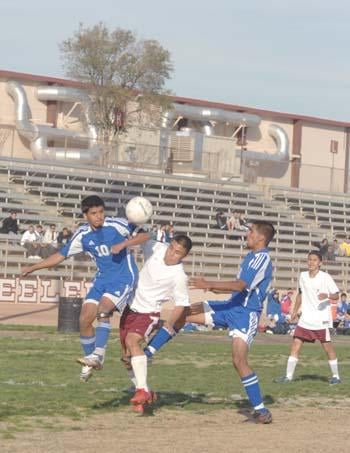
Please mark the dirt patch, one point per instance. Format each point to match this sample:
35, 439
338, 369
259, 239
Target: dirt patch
294, 430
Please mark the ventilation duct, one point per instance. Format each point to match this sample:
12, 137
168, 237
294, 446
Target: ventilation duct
39, 135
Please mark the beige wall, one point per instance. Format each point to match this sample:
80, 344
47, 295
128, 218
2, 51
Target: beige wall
219, 151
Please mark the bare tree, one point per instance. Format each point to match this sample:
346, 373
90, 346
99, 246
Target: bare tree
125, 75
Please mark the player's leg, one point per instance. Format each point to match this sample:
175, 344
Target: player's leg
332, 360
292, 361
196, 314
87, 334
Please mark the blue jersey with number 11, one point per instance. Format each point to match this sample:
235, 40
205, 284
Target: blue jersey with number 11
97, 243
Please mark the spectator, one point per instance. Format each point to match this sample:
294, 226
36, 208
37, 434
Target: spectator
63, 237
323, 247
342, 307
286, 303
161, 233
31, 242
273, 310
344, 248
169, 233
221, 220
233, 221
10, 224
50, 240
242, 224
40, 233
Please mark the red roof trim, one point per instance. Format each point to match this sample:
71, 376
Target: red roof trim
278, 116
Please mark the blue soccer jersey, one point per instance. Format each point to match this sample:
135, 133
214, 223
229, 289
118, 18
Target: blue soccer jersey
256, 271
97, 243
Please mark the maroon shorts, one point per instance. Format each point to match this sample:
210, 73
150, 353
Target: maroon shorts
310, 336
140, 323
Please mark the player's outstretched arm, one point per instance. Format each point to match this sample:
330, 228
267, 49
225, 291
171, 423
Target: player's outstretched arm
140, 238
50, 261
217, 286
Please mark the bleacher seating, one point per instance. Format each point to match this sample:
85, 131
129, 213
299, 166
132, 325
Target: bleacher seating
53, 193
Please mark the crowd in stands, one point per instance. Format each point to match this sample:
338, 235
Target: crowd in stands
331, 249
232, 221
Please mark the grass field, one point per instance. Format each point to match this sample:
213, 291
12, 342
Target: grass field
40, 385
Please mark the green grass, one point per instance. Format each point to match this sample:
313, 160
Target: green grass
39, 378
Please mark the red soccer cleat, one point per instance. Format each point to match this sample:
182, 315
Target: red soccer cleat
142, 400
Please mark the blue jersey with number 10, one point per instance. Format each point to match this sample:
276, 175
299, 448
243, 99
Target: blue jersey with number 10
97, 243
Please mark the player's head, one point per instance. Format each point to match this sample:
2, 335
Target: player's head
314, 260
260, 234
93, 208
179, 247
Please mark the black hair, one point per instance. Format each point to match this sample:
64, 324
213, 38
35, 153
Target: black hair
184, 241
92, 201
266, 229
316, 253
343, 294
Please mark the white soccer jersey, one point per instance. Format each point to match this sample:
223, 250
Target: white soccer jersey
316, 314
159, 282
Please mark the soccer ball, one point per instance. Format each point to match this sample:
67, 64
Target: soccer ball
139, 210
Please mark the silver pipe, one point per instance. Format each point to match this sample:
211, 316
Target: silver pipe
38, 135
269, 164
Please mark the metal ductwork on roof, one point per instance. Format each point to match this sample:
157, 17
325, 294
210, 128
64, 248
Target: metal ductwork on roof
38, 135
266, 164
204, 115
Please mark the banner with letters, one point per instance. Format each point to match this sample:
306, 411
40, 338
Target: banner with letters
37, 290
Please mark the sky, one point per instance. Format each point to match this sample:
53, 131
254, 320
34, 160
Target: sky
282, 55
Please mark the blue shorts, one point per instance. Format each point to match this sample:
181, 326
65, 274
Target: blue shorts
120, 293
242, 323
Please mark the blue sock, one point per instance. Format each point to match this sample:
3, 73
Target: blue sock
159, 340
252, 388
102, 332
88, 344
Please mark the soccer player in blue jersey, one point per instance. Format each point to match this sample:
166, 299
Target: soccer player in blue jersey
106, 240
240, 314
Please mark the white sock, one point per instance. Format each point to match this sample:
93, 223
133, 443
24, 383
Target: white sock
139, 365
131, 376
334, 367
291, 364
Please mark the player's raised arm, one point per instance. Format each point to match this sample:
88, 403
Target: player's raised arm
217, 286
140, 238
48, 262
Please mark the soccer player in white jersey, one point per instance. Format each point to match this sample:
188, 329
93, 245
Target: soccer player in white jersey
162, 278
316, 290
106, 240
240, 314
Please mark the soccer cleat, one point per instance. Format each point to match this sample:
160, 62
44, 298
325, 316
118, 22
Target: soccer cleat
93, 360
282, 380
334, 380
142, 400
86, 373
263, 417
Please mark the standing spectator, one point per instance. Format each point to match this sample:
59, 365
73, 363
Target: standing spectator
323, 247
10, 224
63, 237
221, 221
31, 242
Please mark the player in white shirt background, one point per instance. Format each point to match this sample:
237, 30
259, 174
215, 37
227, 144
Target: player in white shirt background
316, 290
161, 279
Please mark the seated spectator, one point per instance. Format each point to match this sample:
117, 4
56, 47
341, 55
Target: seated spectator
336, 247
346, 322
342, 307
31, 242
169, 233
10, 224
221, 220
323, 247
40, 233
161, 233
233, 220
242, 224
273, 310
286, 303
50, 240
344, 248
63, 237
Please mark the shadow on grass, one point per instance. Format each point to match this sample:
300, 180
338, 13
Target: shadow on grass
311, 377
179, 399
